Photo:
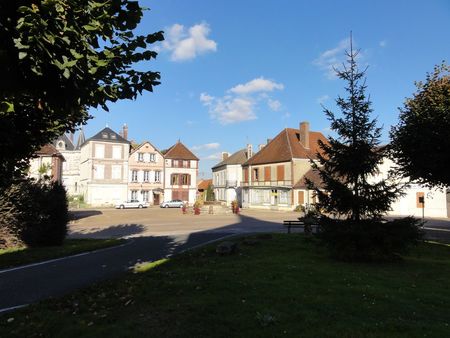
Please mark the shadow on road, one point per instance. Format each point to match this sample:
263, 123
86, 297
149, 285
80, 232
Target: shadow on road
79, 214
113, 231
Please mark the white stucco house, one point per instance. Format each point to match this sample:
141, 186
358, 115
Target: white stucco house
227, 176
104, 168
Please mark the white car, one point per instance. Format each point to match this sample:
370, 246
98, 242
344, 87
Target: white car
172, 204
132, 204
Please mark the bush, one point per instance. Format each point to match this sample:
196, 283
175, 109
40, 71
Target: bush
369, 240
36, 213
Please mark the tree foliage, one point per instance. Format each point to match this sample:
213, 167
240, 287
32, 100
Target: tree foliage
57, 59
349, 163
420, 141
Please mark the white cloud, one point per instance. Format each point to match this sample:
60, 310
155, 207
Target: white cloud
206, 146
186, 44
383, 43
241, 101
322, 99
275, 105
256, 85
215, 156
332, 58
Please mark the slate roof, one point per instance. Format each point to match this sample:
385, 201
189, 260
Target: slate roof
68, 143
179, 152
239, 157
286, 146
107, 135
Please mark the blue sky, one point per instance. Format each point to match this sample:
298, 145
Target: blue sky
237, 72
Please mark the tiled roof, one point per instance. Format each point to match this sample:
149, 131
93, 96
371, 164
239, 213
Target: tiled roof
108, 135
136, 147
286, 146
204, 184
239, 157
179, 152
48, 150
313, 176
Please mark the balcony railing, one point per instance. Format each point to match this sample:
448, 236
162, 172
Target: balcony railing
283, 183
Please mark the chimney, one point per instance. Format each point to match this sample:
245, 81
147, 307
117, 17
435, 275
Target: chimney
125, 131
249, 150
261, 146
225, 155
268, 140
304, 134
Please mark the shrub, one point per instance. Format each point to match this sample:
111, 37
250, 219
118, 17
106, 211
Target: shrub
35, 212
369, 240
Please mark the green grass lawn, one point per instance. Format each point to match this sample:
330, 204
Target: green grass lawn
21, 256
282, 287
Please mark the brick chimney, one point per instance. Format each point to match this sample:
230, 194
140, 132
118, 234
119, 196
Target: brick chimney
249, 150
125, 131
225, 155
304, 134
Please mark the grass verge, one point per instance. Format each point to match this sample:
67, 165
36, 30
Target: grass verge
284, 286
22, 255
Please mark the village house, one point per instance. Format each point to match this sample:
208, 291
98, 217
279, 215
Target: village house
71, 166
146, 174
180, 174
47, 162
274, 178
227, 176
104, 167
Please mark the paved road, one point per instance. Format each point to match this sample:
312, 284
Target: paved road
36, 282
154, 233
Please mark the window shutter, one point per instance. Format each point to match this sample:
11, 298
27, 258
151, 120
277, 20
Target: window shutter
280, 173
301, 197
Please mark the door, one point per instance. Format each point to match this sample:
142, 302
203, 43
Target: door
155, 199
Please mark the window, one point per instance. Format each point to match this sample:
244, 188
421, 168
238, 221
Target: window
99, 171
145, 195
117, 152
246, 175
280, 172
174, 179
134, 176
266, 196
152, 158
185, 179
116, 172
134, 194
146, 175
99, 150
283, 196
157, 176
140, 157
185, 164
267, 173
104, 135
256, 174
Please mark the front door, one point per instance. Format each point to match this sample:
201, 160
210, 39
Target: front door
155, 199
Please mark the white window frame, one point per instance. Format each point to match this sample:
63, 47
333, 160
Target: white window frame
116, 172
134, 175
99, 171
158, 176
117, 152
140, 157
146, 176
99, 151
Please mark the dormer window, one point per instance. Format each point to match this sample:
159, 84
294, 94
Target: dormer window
104, 135
112, 136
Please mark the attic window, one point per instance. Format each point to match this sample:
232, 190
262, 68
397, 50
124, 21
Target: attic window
113, 136
104, 135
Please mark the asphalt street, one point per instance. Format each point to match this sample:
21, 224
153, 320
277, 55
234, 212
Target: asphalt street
152, 234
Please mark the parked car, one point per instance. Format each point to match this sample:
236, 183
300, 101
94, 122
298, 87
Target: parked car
132, 204
172, 204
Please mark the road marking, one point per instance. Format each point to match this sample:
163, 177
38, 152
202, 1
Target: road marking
65, 258
13, 308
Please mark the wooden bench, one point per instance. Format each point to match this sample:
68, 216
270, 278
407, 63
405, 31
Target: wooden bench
293, 224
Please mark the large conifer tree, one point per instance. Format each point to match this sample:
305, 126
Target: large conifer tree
349, 164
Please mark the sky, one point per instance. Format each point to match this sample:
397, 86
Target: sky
238, 72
